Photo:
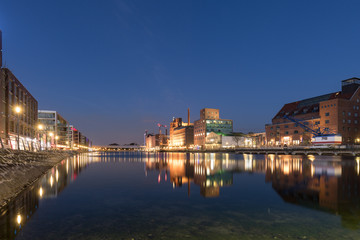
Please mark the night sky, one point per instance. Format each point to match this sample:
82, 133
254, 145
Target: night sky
115, 68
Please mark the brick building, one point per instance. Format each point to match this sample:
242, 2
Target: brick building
335, 113
14, 95
181, 133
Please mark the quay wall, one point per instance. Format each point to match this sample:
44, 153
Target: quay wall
19, 169
280, 151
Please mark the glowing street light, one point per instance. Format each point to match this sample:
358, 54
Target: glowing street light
17, 109
40, 128
18, 219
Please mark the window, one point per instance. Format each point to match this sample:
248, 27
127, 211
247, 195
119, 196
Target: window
286, 132
327, 114
349, 121
296, 131
344, 121
286, 126
349, 129
327, 121
355, 114
317, 122
349, 113
343, 113
356, 121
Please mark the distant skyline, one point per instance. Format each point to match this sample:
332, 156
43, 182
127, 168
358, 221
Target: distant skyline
117, 68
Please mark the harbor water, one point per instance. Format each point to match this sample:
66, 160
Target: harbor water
137, 195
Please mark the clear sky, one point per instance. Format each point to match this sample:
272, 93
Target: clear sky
115, 68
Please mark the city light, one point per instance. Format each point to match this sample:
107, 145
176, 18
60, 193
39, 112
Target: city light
17, 109
41, 192
40, 127
18, 219
51, 134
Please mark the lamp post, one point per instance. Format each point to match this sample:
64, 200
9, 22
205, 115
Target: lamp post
40, 128
18, 111
56, 139
51, 134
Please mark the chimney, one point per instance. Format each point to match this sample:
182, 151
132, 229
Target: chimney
0, 49
188, 116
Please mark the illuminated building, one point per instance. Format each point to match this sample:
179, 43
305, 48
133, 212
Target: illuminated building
181, 133
156, 141
54, 123
337, 113
13, 94
210, 122
58, 133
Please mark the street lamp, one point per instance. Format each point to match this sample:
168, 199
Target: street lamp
56, 139
40, 128
51, 134
18, 111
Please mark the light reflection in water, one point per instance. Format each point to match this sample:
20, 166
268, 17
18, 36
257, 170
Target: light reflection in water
18, 212
323, 183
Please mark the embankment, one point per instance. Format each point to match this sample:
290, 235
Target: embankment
19, 169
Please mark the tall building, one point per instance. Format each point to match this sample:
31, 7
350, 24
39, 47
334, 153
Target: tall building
14, 96
336, 113
210, 122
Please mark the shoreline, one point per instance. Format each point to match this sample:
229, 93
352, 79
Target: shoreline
20, 169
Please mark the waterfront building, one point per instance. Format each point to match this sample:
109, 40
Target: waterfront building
156, 141
210, 122
77, 140
181, 133
55, 129
58, 133
217, 140
18, 109
336, 113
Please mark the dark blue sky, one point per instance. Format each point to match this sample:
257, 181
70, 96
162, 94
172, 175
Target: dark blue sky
115, 68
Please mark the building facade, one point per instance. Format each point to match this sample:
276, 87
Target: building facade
58, 133
181, 134
333, 113
210, 122
55, 129
14, 96
156, 141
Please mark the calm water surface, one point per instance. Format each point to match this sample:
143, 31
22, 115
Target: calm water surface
130, 195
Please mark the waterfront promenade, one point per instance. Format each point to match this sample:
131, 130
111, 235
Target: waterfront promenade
306, 150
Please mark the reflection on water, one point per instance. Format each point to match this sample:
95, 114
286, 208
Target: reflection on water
210, 171
19, 211
331, 186
320, 184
